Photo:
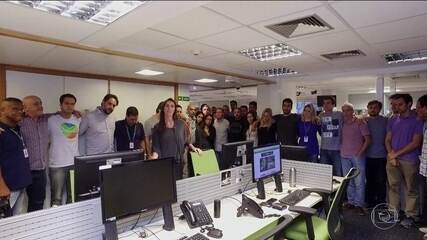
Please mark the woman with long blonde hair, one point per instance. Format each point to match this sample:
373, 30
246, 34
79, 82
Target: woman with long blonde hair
308, 127
266, 128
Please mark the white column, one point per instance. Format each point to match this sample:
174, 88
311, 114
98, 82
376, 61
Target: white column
379, 89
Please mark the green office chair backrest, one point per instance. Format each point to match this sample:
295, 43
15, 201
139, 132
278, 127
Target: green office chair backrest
334, 219
204, 163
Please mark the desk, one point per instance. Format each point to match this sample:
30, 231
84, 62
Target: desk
233, 227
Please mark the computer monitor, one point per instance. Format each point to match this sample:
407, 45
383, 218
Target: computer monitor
235, 153
267, 163
131, 187
86, 171
296, 153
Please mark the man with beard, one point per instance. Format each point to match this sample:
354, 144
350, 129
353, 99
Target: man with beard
97, 128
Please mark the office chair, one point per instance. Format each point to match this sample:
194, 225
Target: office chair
312, 227
205, 163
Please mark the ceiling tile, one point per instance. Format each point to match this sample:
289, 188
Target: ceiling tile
255, 11
366, 13
407, 28
188, 48
231, 59
333, 42
21, 52
324, 13
196, 23
151, 39
404, 45
33, 21
233, 40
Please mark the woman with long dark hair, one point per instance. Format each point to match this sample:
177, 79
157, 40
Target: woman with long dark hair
205, 133
252, 133
170, 137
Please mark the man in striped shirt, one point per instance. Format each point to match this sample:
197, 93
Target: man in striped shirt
422, 114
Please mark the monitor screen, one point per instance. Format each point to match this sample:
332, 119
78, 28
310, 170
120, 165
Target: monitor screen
296, 153
267, 162
131, 187
86, 171
232, 153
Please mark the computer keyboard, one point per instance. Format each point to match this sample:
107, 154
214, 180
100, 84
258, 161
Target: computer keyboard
294, 197
197, 236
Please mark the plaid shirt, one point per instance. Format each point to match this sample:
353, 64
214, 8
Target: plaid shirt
423, 157
36, 138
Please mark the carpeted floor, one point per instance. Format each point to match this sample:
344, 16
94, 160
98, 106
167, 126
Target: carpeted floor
361, 228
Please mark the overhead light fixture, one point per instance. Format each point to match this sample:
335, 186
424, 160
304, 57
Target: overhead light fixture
270, 52
274, 72
99, 12
148, 72
206, 80
386, 90
410, 56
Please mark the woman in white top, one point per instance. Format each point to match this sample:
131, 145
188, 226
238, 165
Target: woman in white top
251, 133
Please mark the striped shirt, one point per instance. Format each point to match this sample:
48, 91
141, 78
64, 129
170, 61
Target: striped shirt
423, 157
36, 137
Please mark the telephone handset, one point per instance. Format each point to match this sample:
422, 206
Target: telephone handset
196, 213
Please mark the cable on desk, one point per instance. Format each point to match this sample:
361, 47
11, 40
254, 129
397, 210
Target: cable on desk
232, 198
151, 232
244, 189
139, 217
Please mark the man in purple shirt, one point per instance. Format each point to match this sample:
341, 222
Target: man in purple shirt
355, 140
403, 141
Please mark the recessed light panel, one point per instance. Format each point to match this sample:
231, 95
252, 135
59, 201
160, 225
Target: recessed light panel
148, 72
274, 72
270, 52
411, 56
206, 80
99, 12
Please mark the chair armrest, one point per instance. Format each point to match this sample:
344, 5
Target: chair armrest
306, 211
284, 221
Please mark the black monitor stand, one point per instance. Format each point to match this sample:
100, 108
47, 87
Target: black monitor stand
110, 231
278, 181
168, 217
261, 189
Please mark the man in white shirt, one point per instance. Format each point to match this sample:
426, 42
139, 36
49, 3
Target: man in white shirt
97, 128
221, 127
64, 136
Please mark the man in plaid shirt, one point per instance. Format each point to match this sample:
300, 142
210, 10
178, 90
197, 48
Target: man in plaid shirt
422, 114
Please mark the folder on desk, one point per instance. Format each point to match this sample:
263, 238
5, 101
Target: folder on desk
72, 185
204, 163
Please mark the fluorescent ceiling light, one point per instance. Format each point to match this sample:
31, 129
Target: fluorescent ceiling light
206, 80
411, 56
148, 72
270, 52
274, 72
99, 12
386, 90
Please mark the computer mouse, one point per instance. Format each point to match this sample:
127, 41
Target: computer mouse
215, 233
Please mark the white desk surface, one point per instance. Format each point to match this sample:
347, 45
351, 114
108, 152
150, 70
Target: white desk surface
233, 227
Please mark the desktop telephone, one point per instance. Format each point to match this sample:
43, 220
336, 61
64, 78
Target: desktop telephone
196, 213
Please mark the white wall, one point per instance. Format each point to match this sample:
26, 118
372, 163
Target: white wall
271, 96
89, 92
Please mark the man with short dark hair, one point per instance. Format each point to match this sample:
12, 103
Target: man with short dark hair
253, 106
332, 122
226, 112
394, 111
221, 127
287, 124
237, 130
15, 174
97, 127
129, 133
244, 111
179, 113
64, 146
376, 176
403, 141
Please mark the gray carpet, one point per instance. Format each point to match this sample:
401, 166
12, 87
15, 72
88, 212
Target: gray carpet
361, 227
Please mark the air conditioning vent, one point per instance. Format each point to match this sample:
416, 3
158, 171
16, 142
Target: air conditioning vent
344, 54
300, 27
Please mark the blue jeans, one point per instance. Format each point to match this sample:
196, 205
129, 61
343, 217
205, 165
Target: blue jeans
357, 185
332, 157
60, 183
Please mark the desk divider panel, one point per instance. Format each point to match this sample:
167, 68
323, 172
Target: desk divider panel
312, 175
83, 220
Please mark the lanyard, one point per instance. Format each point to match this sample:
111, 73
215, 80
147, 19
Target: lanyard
19, 135
134, 132
306, 131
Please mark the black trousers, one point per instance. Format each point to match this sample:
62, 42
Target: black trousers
37, 190
376, 180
